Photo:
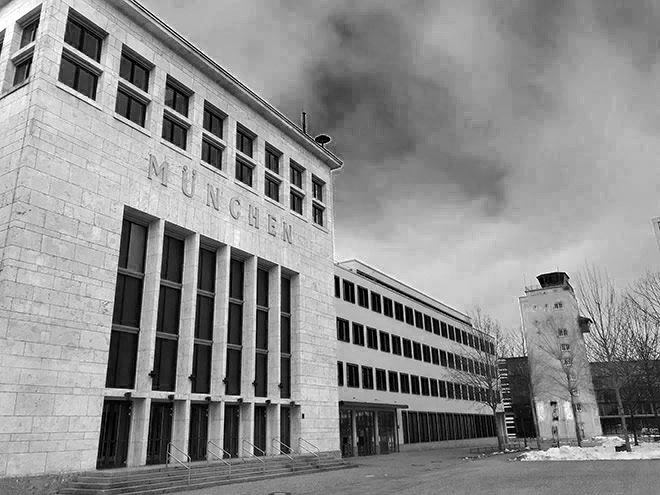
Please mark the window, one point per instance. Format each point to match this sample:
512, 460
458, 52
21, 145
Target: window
363, 297
578, 406
340, 374
78, 77
558, 305
318, 214
296, 202
407, 348
562, 332
261, 341
435, 356
212, 121
388, 307
174, 132
442, 386
419, 319
568, 361
443, 328
122, 358
285, 337
410, 320
381, 380
451, 332
393, 379
29, 32
396, 345
450, 360
433, 385
296, 174
375, 302
235, 328
349, 291
22, 70
426, 354
211, 154
337, 286
405, 383
176, 98
367, 377
244, 172
443, 358
372, 338
398, 311
427, 323
342, 330
317, 188
272, 188
424, 382
352, 375
272, 159
134, 72
83, 39
565, 347
130, 107
417, 351
203, 343
414, 384
358, 334
436, 326
384, 341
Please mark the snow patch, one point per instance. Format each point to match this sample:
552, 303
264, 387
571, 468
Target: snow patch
602, 452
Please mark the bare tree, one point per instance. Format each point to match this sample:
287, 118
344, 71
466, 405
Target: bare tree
478, 368
607, 340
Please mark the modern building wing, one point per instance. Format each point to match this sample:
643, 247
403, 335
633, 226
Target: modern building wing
403, 362
166, 250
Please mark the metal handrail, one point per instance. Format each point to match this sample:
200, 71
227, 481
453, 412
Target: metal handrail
209, 451
171, 456
315, 454
278, 447
251, 453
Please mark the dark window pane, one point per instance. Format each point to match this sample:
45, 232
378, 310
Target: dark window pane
67, 72
262, 330
169, 303
165, 365
235, 333
236, 280
233, 376
204, 318
285, 342
128, 301
29, 33
261, 375
262, 288
206, 278
201, 369
172, 265
121, 360
285, 377
286, 295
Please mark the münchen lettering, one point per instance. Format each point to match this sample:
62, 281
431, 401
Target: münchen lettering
238, 208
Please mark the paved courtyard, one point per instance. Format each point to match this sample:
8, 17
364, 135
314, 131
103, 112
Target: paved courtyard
446, 472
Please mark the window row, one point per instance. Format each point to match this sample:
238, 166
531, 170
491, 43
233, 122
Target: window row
80, 70
127, 318
351, 331
421, 427
400, 312
366, 377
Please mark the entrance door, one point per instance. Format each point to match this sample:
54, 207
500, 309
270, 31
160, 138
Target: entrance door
199, 423
285, 429
260, 429
232, 420
364, 423
346, 432
113, 442
160, 432
386, 432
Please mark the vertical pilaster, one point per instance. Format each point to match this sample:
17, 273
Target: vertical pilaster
220, 319
137, 444
249, 327
274, 334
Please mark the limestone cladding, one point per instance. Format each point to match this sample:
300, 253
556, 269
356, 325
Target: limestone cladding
69, 169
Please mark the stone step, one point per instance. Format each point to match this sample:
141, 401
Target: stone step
158, 486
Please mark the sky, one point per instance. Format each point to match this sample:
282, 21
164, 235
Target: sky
485, 141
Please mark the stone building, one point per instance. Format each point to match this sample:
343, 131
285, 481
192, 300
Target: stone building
166, 250
560, 374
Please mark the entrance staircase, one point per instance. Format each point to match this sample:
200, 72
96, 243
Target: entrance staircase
175, 477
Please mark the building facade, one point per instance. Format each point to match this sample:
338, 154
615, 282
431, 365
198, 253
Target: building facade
166, 251
559, 371
404, 362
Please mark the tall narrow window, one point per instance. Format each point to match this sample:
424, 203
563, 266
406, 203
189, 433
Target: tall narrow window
212, 121
261, 357
29, 33
340, 374
169, 307
244, 141
285, 338
176, 98
202, 354
235, 328
22, 70
128, 307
